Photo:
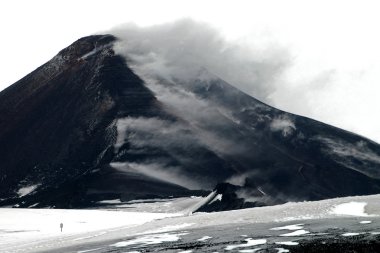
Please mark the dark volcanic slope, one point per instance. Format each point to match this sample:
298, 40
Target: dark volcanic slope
56, 126
84, 127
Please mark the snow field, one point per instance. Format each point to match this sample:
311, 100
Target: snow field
19, 226
351, 208
22, 229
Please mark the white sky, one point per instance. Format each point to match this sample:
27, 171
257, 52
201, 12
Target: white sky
335, 45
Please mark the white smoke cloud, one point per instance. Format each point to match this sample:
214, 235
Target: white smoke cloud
283, 76
180, 49
345, 153
240, 179
162, 172
142, 134
283, 124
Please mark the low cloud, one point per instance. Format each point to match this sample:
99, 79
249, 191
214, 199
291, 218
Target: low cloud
163, 144
240, 179
162, 172
179, 50
348, 154
172, 136
283, 124
276, 74
170, 57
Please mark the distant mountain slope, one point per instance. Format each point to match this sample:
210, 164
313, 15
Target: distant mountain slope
86, 126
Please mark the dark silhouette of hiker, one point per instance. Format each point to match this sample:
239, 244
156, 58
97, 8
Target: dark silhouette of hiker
61, 226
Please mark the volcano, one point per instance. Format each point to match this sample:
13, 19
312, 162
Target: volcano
87, 127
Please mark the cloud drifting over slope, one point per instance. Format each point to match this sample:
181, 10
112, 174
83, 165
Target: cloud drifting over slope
178, 50
344, 96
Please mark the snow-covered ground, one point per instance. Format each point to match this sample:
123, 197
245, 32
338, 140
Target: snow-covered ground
34, 230
183, 206
22, 227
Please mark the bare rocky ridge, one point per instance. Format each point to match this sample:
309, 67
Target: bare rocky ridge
84, 127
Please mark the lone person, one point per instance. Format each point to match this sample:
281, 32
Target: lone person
61, 226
